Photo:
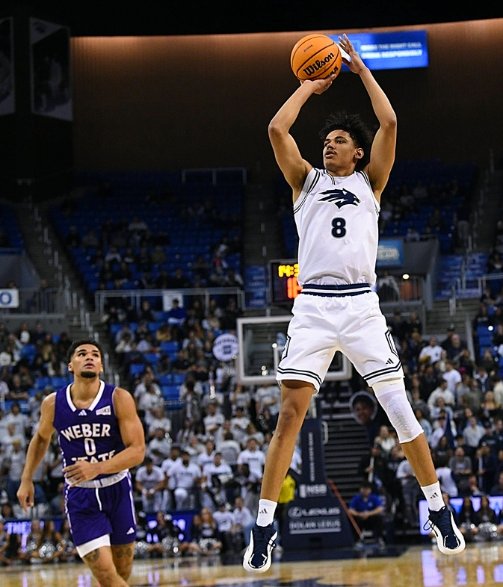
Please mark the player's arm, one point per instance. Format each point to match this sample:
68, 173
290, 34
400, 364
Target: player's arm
382, 155
133, 438
36, 450
286, 151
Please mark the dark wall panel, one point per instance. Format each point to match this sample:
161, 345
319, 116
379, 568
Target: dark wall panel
198, 101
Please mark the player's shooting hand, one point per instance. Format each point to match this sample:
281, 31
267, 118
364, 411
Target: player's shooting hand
355, 62
320, 85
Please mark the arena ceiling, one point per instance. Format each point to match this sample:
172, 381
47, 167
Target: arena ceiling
169, 17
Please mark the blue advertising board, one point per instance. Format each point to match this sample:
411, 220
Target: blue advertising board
391, 50
390, 253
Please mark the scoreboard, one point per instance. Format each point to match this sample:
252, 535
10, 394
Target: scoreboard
283, 284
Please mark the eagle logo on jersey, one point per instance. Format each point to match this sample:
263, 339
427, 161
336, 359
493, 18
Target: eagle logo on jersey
340, 197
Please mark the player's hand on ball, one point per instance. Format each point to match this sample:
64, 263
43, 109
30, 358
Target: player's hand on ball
320, 85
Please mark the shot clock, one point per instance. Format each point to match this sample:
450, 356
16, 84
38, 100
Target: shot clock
283, 284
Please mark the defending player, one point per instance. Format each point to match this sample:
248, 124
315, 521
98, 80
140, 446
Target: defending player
101, 437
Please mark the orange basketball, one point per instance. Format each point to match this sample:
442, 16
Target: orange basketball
315, 56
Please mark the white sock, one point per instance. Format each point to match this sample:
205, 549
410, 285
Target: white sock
266, 509
433, 495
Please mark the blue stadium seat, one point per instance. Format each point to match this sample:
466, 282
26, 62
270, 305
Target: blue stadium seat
170, 392
58, 382
151, 358
136, 369
28, 352
178, 378
42, 382
165, 380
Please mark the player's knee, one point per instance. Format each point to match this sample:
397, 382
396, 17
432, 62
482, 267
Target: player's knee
105, 573
124, 569
291, 415
393, 399
123, 559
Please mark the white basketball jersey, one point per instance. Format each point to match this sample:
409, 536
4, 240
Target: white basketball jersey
337, 224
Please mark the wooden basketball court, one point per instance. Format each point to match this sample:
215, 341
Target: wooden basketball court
417, 566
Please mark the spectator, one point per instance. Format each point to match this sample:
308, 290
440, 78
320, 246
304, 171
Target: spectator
368, 510
156, 418
10, 436
243, 519
452, 376
446, 477
373, 468
440, 429
205, 537
461, 467
410, 492
186, 477
159, 446
441, 391
443, 450
216, 475
150, 483
425, 423
253, 457
472, 488
239, 424
485, 465
472, 433
66, 546
176, 315
497, 488
14, 463
486, 520
386, 439
466, 519
9, 545
231, 543
166, 466
432, 352
213, 419
490, 410
453, 345
229, 448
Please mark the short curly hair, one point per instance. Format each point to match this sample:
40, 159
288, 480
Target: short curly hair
74, 346
357, 129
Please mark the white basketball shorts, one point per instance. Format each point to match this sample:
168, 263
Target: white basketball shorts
332, 318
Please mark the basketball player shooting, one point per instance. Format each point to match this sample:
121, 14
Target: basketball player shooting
101, 437
336, 211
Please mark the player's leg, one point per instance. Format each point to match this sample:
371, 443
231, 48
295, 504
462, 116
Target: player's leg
392, 397
307, 355
295, 399
122, 515
372, 351
101, 564
123, 555
91, 528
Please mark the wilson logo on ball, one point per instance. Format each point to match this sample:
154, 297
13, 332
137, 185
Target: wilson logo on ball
318, 64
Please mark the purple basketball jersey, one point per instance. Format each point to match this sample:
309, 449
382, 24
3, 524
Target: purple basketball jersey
91, 434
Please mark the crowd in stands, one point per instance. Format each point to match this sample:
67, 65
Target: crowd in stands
207, 442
